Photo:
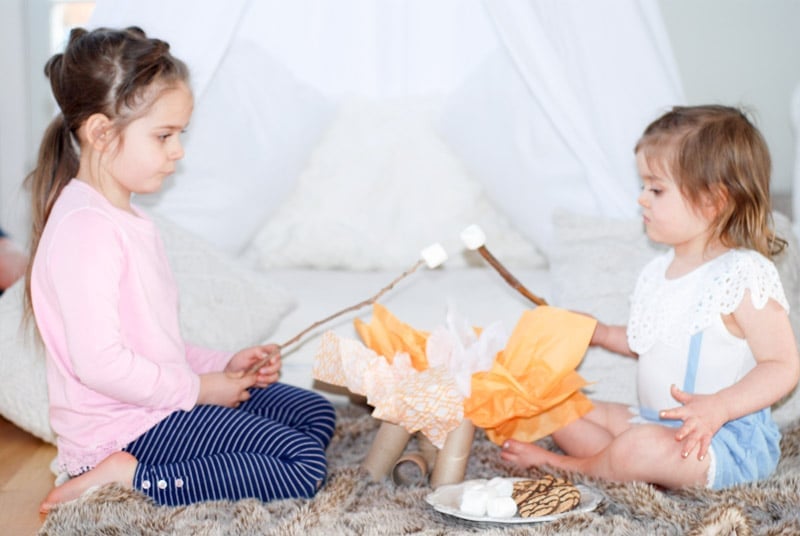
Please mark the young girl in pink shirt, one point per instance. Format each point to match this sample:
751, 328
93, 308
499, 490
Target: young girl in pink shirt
131, 401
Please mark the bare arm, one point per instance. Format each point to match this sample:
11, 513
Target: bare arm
612, 338
770, 337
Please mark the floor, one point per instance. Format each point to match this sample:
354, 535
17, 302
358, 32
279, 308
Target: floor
25, 478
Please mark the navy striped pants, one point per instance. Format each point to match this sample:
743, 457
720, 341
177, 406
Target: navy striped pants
271, 447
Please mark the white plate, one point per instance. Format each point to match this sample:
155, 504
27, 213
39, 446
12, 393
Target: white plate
446, 500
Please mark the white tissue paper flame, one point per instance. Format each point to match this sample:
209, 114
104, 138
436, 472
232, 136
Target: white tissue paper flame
456, 347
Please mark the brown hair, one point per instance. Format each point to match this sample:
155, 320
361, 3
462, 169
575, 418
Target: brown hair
118, 73
715, 152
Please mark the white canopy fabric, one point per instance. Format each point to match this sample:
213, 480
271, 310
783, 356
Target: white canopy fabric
198, 32
581, 79
543, 100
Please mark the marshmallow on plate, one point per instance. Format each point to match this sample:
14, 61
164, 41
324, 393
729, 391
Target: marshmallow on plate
492, 498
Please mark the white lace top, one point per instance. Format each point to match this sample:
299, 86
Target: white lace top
665, 313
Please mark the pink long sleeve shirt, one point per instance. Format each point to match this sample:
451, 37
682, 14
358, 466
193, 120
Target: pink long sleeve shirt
106, 305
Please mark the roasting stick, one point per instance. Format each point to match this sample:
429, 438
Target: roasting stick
433, 255
475, 239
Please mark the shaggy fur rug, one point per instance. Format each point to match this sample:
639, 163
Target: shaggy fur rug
351, 504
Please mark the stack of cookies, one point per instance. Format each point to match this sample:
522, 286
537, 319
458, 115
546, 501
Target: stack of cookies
545, 496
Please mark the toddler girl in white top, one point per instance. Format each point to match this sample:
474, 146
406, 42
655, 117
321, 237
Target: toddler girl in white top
709, 319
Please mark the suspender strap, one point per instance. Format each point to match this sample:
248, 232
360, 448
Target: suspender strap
692, 362
689, 380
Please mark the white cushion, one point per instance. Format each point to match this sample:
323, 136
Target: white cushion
23, 393
223, 305
788, 264
380, 187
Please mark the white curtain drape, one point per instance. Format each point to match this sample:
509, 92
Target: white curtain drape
377, 49
582, 80
542, 100
198, 32
795, 111
597, 83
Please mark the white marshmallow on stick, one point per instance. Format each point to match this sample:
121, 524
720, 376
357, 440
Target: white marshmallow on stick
433, 256
474, 239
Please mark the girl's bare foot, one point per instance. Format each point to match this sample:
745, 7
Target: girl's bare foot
526, 455
119, 467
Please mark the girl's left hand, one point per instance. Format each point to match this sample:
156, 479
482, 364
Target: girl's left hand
702, 417
245, 360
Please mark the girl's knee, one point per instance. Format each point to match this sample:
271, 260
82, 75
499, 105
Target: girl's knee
310, 490
325, 408
641, 452
321, 421
623, 457
315, 473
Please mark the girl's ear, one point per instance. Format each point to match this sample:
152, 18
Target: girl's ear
97, 128
715, 203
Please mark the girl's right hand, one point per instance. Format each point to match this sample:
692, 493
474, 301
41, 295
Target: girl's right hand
227, 389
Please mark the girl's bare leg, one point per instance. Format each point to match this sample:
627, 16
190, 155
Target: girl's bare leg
595, 431
527, 455
644, 453
119, 467
584, 437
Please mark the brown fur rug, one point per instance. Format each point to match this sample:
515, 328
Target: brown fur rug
351, 504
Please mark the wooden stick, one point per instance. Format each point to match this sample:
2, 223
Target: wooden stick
510, 279
368, 301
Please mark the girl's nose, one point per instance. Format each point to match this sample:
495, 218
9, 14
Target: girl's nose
642, 199
176, 151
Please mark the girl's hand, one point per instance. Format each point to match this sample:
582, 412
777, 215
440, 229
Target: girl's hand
245, 360
702, 417
227, 389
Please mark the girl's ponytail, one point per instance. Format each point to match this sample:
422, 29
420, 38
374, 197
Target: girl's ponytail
56, 165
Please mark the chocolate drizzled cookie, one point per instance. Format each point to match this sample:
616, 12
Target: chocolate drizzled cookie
545, 496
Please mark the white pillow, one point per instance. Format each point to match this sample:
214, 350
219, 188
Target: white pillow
596, 262
223, 305
788, 264
379, 188
594, 268
23, 382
